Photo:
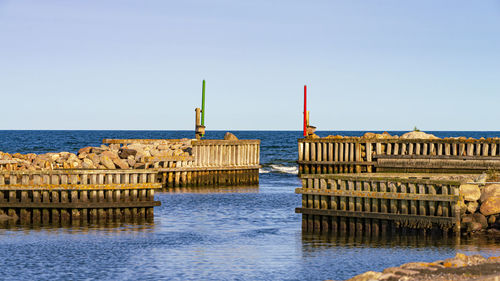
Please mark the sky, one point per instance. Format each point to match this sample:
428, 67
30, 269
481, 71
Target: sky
139, 65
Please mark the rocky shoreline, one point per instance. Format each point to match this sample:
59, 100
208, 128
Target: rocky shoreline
461, 267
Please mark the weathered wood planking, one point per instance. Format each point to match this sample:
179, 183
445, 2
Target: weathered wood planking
77, 196
377, 204
213, 162
353, 154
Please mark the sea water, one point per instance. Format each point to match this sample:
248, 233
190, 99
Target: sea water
245, 233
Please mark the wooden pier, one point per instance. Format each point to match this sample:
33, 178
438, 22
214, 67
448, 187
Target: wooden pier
74, 197
378, 203
367, 155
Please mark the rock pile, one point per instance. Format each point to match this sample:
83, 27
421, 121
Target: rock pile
461, 267
132, 156
408, 135
480, 207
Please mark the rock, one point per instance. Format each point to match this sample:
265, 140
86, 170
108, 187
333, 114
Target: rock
82, 155
470, 192
491, 190
229, 136
367, 135
163, 147
88, 164
491, 206
472, 207
107, 162
492, 219
478, 217
111, 154
367, 276
131, 160
95, 159
474, 226
120, 163
418, 135
85, 150
97, 150
400, 271
154, 152
467, 219
114, 147
124, 153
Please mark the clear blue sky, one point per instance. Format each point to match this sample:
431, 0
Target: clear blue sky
369, 65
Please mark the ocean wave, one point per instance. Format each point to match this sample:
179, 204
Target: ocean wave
279, 169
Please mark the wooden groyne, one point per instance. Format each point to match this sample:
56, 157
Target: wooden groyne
365, 155
378, 182
378, 203
77, 196
211, 162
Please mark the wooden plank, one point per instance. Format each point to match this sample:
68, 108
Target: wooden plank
80, 186
81, 205
351, 214
378, 195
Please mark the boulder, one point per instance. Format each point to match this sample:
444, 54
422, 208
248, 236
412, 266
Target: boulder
107, 162
474, 226
472, 206
478, 217
229, 136
418, 135
85, 150
163, 147
120, 163
131, 160
491, 190
470, 192
88, 164
111, 154
467, 219
367, 276
491, 206
95, 159
124, 153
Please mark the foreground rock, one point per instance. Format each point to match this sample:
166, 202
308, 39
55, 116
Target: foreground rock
461, 267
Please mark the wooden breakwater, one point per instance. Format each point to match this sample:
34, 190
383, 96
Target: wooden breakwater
211, 162
365, 155
378, 203
77, 196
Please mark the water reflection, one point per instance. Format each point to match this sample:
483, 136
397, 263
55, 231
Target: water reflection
312, 242
213, 189
105, 228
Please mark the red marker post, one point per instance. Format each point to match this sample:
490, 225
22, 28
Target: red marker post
305, 110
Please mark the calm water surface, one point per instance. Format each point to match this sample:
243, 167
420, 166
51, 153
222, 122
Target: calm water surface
245, 233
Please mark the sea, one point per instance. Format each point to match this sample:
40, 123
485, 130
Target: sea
214, 233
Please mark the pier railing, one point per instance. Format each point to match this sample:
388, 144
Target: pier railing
76, 196
354, 154
377, 204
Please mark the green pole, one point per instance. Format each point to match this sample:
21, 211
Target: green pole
203, 104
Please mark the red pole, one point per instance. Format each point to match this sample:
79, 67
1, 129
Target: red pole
305, 110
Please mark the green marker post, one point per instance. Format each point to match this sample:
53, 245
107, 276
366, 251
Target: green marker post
203, 105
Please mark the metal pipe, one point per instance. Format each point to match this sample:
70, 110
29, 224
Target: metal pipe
305, 110
203, 104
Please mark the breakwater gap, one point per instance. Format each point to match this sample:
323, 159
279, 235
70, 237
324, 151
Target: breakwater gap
116, 182
381, 184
